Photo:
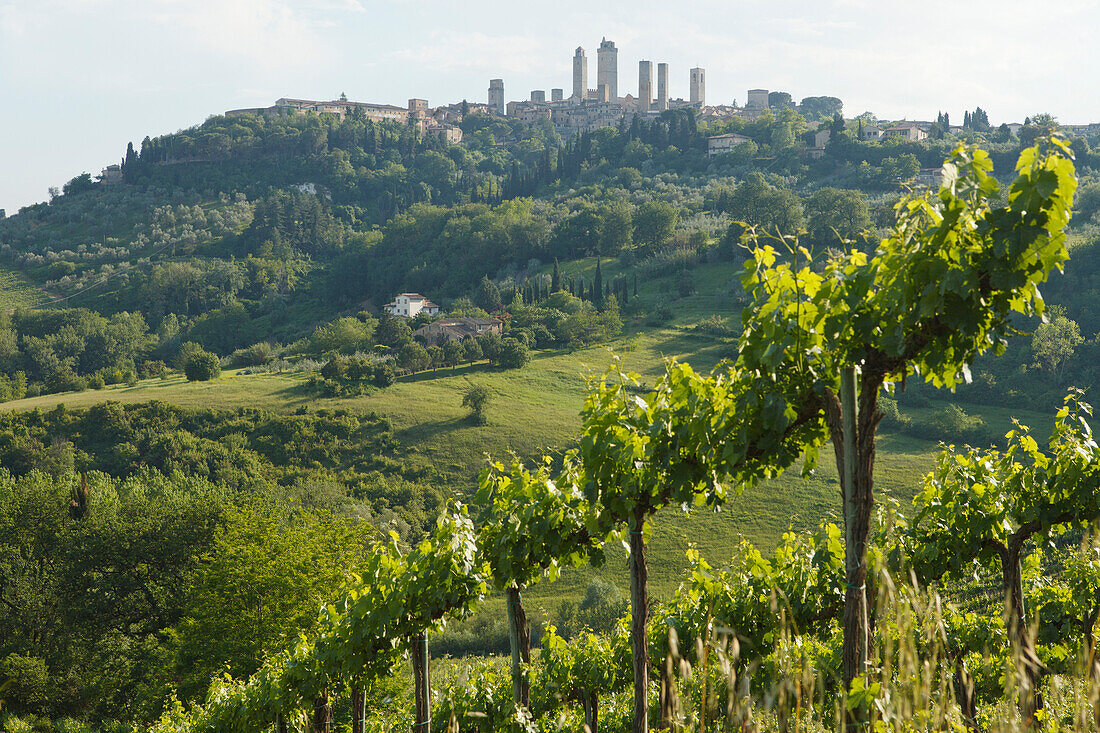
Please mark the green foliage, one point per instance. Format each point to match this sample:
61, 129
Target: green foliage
394, 597
1054, 342
530, 523
977, 501
92, 575
26, 683
477, 398
202, 366
835, 215
514, 354
258, 589
584, 668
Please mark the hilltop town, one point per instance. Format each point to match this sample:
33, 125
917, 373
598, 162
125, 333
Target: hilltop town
588, 108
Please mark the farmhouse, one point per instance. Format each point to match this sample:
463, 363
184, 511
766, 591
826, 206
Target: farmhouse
906, 132
408, 305
456, 329
719, 144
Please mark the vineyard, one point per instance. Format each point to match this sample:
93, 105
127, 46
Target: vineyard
858, 626
17, 292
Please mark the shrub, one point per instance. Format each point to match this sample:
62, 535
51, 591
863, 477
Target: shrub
254, 355
384, 375
155, 368
514, 354
27, 679
202, 367
477, 399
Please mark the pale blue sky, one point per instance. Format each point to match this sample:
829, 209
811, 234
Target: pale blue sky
81, 78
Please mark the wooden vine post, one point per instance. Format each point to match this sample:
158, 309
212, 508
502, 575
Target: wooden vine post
421, 683
639, 619
530, 523
519, 638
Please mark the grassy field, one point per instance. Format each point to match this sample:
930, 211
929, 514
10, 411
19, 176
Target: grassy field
536, 409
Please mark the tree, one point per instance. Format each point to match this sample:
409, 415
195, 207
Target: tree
471, 348
616, 230
453, 353
597, 285
436, 356
392, 331
836, 126
820, 108
488, 295
654, 222
413, 357
396, 597
259, 587
904, 167
80, 184
202, 367
514, 354
1054, 342
555, 278
490, 344
769, 209
776, 100
836, 214
477, 398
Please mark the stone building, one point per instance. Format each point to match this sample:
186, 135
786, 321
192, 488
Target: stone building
496, 96
607, 71
662, 87
698, 90
580, 75
645, 86
456, 329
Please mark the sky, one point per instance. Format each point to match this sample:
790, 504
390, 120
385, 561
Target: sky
81, 78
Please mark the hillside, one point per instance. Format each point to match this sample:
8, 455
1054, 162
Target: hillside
265, 248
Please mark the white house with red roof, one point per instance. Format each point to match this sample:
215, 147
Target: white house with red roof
407, 305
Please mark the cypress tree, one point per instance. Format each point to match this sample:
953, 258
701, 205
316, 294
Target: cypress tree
597, 286
555, 279
635, 285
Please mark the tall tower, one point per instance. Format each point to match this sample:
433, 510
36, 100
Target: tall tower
645, 85
496, 96
607, 69
699, 86
662, 86
580, 75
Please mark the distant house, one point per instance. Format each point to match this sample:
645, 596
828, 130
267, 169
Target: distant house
822, 137
870, 133
931, 177
456, 329
111, 175
906, 132
408, 305
719, 144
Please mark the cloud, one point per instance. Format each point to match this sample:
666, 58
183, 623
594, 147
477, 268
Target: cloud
266, 33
